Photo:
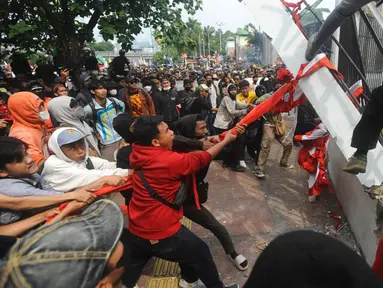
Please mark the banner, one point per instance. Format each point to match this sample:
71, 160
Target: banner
289, 95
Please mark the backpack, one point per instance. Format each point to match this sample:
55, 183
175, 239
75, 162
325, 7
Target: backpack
94, 112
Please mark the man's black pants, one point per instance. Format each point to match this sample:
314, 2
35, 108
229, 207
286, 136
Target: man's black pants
235, 151
366, 133
204, 218
184, 247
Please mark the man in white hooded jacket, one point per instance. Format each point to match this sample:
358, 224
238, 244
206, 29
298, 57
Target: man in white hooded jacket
70, 166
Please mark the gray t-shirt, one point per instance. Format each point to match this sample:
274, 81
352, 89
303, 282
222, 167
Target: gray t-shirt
31, 186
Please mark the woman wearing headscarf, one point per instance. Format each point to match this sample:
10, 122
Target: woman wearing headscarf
307, 259
225, 120
29, 123
68, 113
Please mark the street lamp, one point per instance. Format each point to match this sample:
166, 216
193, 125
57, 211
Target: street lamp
220, 24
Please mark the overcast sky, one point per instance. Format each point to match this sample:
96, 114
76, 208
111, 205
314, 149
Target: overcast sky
234, 14
229, 12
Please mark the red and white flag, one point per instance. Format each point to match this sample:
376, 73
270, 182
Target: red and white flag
357, 89
312, 157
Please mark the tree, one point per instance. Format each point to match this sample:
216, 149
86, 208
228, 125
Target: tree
256, 37
159, 57
195, 32
101, 46
208, 32
66, 25
179, 35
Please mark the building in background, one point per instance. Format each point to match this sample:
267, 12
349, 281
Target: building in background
269, 55
230, 46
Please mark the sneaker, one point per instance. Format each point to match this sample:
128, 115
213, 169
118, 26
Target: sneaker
184, 284
238, 168
232, 286
311, 52
375, 192
259, 173
312, 198
242, 163
287, 166
357, 164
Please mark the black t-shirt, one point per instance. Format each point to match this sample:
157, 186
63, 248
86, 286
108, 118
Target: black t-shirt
6, 242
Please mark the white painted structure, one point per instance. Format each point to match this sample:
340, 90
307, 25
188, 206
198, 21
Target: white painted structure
338, 114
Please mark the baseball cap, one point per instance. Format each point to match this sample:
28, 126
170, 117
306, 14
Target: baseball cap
130, 79
68, 136
203, 87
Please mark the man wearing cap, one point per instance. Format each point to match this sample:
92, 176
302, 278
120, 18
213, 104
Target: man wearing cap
137, 101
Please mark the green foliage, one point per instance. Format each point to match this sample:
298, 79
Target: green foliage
255, 37
191, 37
159, 57
35, 25
101, 46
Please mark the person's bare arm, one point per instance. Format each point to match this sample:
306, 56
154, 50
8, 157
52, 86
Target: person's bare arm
113, 180
33, 202
20, 227
217, 148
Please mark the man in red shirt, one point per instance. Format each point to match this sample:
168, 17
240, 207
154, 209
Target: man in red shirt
154, 220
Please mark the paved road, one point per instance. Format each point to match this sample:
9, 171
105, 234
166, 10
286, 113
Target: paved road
254, 211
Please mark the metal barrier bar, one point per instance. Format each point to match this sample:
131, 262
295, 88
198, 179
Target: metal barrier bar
345, 53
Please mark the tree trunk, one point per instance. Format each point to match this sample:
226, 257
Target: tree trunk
73, 51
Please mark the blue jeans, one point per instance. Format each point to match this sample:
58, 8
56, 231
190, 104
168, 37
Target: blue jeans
184, 247
69, 253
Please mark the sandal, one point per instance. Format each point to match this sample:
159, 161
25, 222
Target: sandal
240, 262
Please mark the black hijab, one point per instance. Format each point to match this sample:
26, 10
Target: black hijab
307, 259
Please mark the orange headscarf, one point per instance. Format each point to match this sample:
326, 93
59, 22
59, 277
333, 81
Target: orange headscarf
25, 107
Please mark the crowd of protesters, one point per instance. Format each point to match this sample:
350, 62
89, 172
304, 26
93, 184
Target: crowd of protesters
60, 141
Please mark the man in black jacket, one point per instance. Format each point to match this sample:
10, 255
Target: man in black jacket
187, 93
166, 102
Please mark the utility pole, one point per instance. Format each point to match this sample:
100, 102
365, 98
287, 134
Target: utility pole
208, 42
199, 42
203, 45
220, 24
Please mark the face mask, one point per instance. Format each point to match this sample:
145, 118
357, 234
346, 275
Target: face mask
166, 88
44, 115
79, 112
209, 82
148, 88
113, 92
